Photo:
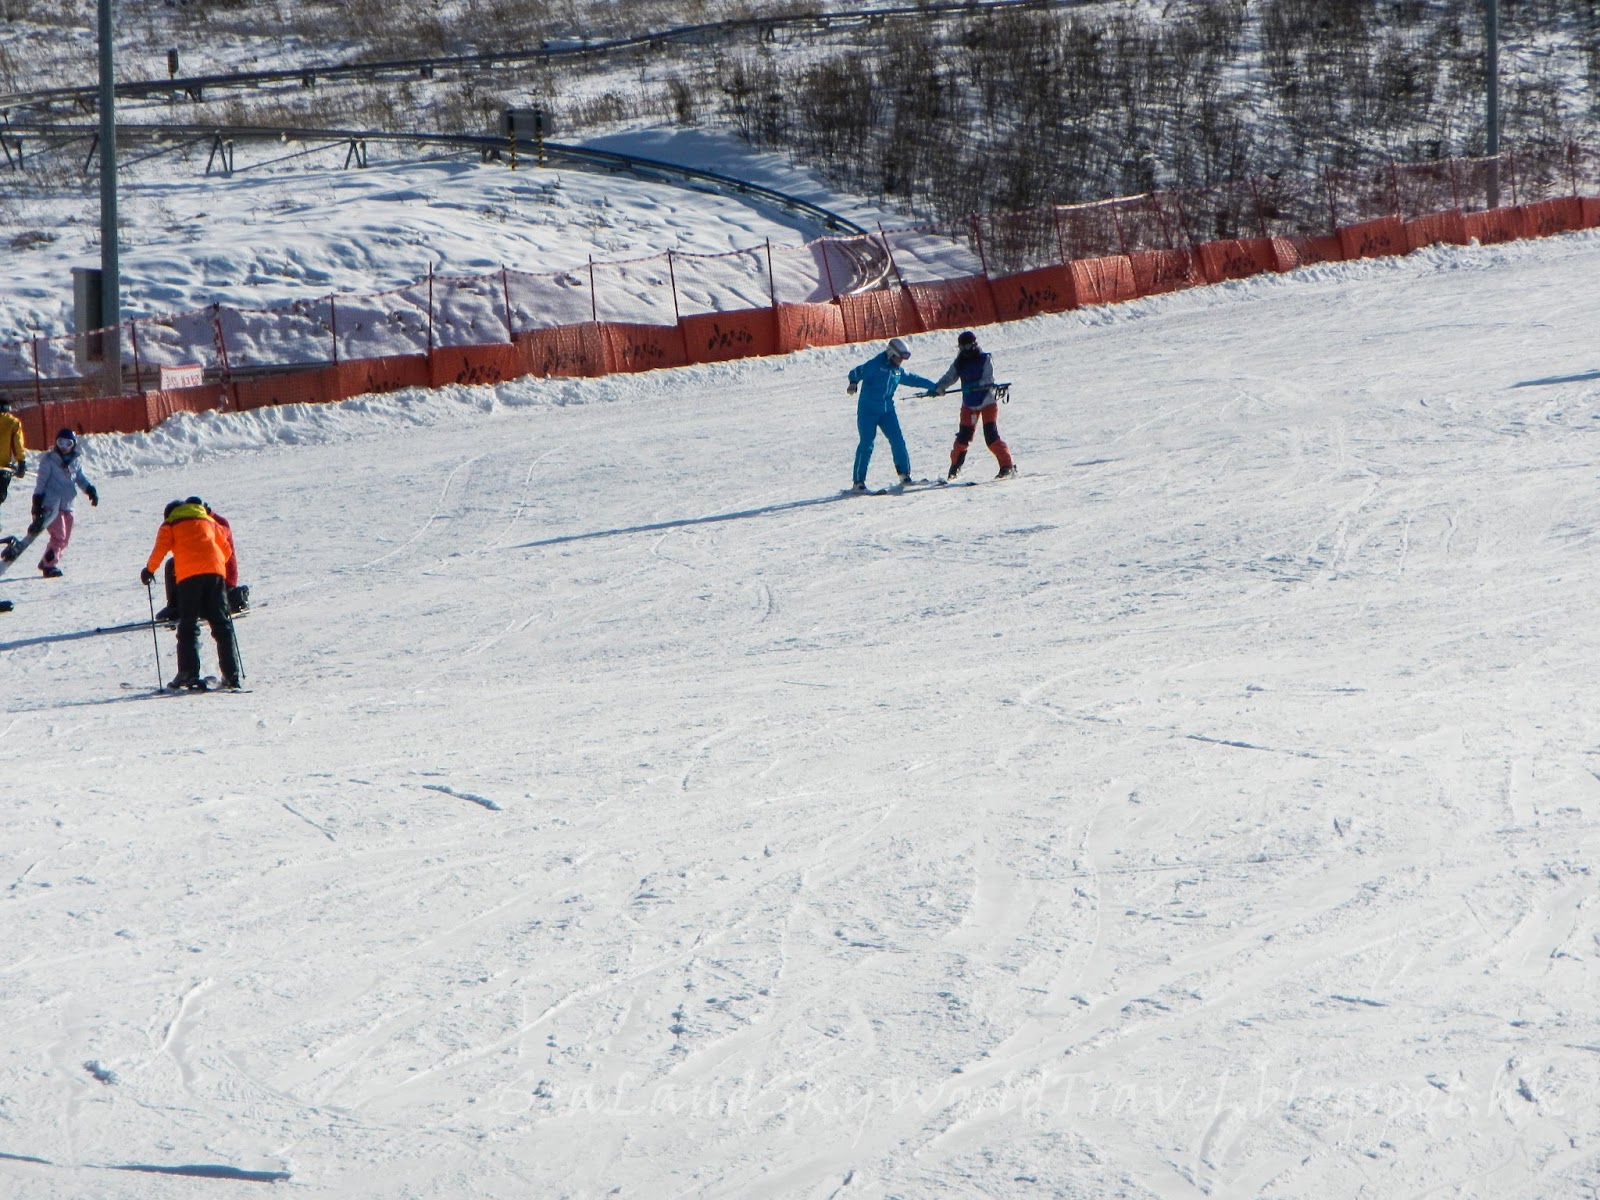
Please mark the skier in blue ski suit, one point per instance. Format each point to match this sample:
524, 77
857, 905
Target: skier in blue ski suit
877, 378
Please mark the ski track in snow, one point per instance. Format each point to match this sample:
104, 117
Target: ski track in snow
1212, 813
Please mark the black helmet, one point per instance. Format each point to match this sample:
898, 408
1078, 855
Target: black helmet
172, 506
967, 338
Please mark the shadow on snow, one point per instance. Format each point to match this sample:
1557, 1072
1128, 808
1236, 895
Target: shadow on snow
1554, 379
682, 523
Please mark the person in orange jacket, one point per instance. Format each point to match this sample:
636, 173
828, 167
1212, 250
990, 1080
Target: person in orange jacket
238, 593
200, 548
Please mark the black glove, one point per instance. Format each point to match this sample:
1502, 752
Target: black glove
94, 496
38, 506
146, 576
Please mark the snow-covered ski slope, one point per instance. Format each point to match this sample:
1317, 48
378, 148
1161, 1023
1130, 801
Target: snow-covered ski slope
1210, 812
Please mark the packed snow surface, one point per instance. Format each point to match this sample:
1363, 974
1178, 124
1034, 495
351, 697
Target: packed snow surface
619, 810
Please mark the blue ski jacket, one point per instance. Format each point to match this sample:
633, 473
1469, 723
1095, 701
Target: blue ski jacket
878, 378
976, 373
58, 479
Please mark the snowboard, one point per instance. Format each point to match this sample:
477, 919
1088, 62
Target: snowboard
19, 545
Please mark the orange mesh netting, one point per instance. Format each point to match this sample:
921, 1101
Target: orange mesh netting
642, 347
883, 313
954, 303
566, 350
801, 326
1374, 239
1028, 293
1105, 280
1157, 271
718, 337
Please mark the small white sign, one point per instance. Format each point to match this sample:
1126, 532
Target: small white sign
181, 377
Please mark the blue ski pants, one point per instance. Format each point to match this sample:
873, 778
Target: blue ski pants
868, 424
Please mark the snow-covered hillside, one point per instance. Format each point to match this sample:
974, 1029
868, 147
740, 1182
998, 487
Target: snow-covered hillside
298, 230
619, 811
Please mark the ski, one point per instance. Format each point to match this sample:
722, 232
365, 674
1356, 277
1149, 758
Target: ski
161, 622
895, 489
144, 690
955, 483
129, 627
209, 684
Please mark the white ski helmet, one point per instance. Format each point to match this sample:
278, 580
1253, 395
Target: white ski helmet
898, 346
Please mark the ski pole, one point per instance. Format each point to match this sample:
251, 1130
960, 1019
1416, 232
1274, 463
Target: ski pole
154, 640
238, 654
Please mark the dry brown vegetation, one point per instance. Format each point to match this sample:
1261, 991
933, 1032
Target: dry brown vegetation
984, 111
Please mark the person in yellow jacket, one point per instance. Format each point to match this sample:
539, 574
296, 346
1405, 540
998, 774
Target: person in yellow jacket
13, 453
200, 549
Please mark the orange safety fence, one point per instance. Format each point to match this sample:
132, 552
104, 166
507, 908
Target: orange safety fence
492, 363
718, 337
1318, 248
1157, 271
1548, 217
1497, 225
361, 376
1107, 280
319, 385
100, 414
563, 350
1236, 258
158, 406
1029, 293
1374, 239
953, 304
884, 313
802, 326
630, 347
1448, 227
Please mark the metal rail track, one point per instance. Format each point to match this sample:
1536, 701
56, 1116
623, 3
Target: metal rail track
484, 144
195, 86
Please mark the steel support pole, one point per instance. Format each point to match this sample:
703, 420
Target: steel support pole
110, 280
1492, 108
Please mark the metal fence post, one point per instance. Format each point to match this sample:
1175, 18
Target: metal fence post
505, 295
138, 376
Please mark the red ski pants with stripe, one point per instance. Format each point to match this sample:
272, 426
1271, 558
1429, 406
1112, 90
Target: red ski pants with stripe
989, 414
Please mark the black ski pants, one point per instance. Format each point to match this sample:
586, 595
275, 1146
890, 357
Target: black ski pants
205, 596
